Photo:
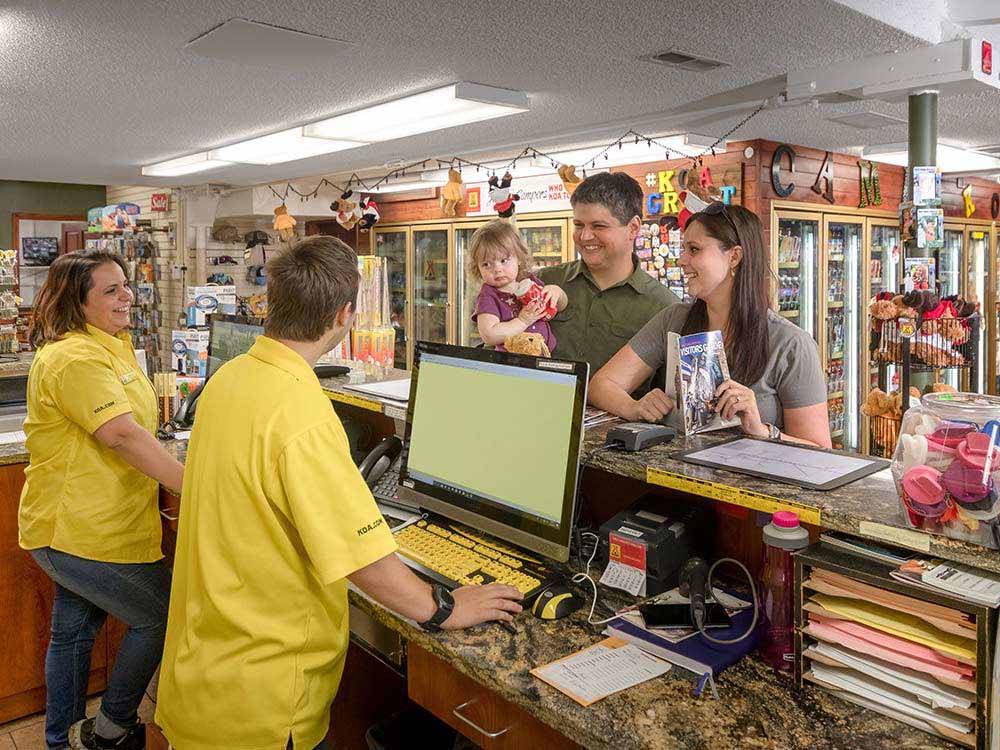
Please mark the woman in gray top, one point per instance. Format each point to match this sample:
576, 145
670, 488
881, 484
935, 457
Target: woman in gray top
727, 269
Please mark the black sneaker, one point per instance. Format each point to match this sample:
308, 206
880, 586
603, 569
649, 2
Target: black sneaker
83, 737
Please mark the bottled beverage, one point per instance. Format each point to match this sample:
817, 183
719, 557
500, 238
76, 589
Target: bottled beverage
782, 536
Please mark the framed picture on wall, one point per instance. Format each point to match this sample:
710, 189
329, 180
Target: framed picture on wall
39, 251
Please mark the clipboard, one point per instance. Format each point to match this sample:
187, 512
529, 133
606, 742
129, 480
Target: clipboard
799, 465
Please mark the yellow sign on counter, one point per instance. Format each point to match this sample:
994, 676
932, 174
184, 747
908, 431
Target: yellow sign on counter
731, 495
352, 400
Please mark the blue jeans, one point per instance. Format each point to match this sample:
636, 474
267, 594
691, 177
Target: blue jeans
86, 591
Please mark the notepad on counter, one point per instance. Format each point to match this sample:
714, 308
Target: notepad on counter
9, 438
392, 390
601, 670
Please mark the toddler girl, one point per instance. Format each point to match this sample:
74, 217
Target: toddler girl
500, 260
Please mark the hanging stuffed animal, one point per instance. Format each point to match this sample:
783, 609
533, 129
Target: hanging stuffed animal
502, 197
451, 194
567, 173
284, 224
348, 212
369, 214
697, 194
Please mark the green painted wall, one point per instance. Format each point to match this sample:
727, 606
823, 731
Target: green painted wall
44, 198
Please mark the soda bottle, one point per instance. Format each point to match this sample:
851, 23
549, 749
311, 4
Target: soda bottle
782, 536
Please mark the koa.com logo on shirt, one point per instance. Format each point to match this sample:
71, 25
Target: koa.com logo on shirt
370, 527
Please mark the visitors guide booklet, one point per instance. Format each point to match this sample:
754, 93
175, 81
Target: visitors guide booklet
696, 367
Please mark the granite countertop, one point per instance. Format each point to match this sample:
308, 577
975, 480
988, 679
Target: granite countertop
10, 368
872, 499
757, 708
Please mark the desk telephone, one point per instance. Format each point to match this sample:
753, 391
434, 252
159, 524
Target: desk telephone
381, 458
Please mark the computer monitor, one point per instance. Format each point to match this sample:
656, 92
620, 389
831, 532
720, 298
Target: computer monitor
229, 336
493, 441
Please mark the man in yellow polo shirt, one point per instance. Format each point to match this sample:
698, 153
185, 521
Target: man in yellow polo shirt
275, 520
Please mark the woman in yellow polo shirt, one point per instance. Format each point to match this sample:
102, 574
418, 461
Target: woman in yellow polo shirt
88, 511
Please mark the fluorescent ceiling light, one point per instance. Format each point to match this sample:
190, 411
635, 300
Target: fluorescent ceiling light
446, 107
286, 145
686, 144
184, 165
949, 158
406, 184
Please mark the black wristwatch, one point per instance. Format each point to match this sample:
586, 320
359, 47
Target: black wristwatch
445, 604
773, 433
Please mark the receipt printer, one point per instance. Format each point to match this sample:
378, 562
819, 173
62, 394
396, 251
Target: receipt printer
661, 540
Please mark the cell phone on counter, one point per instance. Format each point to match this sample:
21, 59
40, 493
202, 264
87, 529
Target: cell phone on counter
679, 615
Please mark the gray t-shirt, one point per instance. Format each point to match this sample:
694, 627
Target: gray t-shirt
792, 377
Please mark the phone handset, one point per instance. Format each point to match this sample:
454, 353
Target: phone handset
378, 461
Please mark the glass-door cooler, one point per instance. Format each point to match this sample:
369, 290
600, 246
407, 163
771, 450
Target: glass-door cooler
466, 285
431, 285
950, 270
840, 344
882, 266
796, 252
977, 270
392, 244
546, 239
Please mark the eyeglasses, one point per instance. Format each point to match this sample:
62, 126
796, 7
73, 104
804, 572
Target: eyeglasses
720, 208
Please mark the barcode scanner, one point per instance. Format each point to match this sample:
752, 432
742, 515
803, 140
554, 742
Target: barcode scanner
693, 580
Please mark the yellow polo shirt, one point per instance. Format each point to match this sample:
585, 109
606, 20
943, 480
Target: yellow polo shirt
80, 497
274, 517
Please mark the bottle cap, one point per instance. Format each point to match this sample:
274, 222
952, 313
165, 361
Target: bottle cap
787, 519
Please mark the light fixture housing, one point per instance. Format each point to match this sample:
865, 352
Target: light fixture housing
420, 182
285, 145
445, 107
184, 165
949, 158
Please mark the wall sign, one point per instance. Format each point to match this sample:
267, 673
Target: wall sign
159, 202
541, 193
825, 173
784, 149
970, 207
668, 184
871, 190
473, 200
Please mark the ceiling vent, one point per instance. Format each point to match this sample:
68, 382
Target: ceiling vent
866, 120
684, 61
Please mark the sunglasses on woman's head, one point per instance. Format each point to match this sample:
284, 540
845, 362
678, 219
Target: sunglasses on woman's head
718, 207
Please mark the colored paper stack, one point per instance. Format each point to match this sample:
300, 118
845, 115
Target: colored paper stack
909, 659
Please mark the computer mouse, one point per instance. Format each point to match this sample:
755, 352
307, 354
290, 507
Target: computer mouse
556, 602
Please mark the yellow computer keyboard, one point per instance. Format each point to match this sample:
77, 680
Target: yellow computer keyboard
459, 559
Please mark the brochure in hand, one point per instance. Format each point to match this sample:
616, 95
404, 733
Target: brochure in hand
696, 367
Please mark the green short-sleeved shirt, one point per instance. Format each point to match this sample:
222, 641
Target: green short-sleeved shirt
597, 323
792, 379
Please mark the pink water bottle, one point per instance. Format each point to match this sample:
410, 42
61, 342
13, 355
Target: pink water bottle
782, 536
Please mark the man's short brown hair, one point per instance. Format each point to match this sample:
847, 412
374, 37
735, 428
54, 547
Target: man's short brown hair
307, 285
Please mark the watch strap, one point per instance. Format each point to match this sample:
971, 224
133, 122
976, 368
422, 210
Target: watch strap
445, 604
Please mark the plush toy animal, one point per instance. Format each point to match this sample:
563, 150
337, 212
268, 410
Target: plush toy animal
369, 214
348, 212
451, 194
532, 344
567, 173
284, 224
501, 195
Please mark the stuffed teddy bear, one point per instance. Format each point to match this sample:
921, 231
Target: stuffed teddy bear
348, 212
284, 224
501, 195
451, 194
532, 344
567, 173
369, 214
694, 197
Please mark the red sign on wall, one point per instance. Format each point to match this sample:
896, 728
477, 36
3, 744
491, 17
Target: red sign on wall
159, 202
988, 58
472, 201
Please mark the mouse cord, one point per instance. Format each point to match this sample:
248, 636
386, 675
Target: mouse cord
753, 594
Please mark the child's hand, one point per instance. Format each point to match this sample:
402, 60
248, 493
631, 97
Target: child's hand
532, 312
553, 296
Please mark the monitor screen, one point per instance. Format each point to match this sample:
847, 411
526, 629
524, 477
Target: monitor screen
493, 441
229, 336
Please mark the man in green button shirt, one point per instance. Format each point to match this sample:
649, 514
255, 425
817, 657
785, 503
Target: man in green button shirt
610, 296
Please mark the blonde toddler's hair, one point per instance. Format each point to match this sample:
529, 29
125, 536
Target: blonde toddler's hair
499, 238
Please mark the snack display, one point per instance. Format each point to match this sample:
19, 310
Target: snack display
947, 466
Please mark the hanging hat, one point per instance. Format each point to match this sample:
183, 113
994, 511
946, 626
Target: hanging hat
257, 237
225, 232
